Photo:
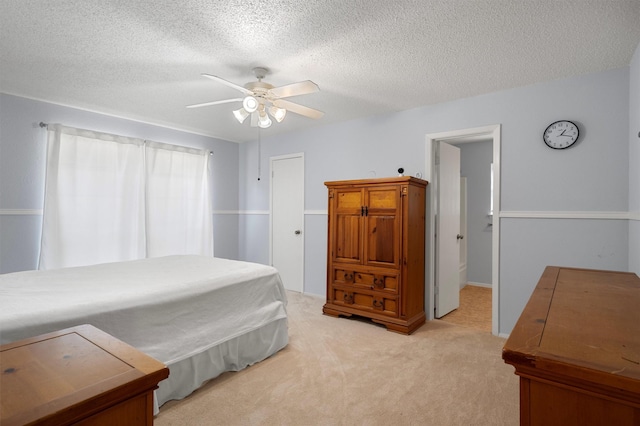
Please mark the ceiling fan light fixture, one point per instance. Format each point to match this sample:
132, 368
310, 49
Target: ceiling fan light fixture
250, 104
277, 113
264, 121
263, 102
241, 115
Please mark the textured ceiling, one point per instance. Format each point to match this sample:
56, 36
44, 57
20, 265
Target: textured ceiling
142, 59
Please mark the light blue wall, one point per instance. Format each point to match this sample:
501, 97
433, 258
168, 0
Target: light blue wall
475, 165
22, 166
634, 163
592, 176
599, 174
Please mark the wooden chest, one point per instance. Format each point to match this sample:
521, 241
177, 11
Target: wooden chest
376, 250
576, 348
80, 375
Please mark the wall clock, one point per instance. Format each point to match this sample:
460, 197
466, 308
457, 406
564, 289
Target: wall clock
561, 134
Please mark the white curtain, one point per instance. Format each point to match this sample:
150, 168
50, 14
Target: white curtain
178, 203
94, 203
110, 199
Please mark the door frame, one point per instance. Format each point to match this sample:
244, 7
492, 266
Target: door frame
463, 230
271, 161
464, 135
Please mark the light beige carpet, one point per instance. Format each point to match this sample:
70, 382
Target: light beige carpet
474, 310
338, 371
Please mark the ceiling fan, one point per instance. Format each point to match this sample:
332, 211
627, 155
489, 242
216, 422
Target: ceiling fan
262, 100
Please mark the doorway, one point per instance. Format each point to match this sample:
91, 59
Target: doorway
466, 136
287, 219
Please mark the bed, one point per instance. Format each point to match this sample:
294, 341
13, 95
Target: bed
201, 316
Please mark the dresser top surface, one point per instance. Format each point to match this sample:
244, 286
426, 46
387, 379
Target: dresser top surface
50, 373
580, 319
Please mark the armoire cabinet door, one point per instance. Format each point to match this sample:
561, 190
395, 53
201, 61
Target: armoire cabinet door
366, 226
346, 231
382, 227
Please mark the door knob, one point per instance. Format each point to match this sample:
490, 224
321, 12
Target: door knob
459, 237
298, 232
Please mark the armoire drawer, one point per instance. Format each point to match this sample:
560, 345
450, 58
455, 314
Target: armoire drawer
386, 282
369, 301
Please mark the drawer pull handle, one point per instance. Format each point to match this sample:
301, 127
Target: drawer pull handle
379, 304
348, 277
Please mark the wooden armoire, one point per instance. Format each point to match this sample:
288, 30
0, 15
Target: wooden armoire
376, 251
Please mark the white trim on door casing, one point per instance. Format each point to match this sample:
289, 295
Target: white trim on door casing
492, 132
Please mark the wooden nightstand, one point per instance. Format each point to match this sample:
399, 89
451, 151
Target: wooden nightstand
80, 375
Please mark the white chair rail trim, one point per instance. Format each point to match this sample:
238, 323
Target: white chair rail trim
569, 215
503, 214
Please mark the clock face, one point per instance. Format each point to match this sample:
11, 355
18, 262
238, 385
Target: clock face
561, 134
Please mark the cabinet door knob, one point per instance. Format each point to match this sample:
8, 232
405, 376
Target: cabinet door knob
297, 232
459, 237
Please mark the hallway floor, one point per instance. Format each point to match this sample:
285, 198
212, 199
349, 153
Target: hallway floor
475, 309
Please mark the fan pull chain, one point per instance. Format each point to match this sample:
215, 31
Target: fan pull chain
259, 148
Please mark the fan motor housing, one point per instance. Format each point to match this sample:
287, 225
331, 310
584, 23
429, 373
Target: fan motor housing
258, 87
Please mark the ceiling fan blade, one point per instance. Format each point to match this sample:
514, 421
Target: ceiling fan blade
294, 89
226, 101
298, 109
228, 83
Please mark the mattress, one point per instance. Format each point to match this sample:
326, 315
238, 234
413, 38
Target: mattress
198, 315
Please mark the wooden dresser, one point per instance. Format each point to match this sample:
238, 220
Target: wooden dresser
576, 348
376, 250
79, 376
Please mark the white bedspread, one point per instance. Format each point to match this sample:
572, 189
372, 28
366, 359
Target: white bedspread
170, 307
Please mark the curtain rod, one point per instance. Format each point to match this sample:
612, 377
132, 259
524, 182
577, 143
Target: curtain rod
43, 125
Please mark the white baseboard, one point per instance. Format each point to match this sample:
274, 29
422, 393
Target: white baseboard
479, 284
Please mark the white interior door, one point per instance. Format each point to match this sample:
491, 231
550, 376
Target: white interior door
287, 219
447, 285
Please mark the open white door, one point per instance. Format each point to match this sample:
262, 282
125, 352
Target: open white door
287, 219
447, 285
